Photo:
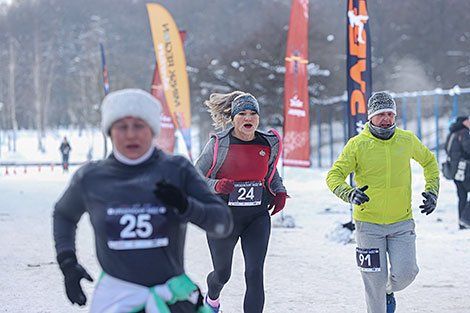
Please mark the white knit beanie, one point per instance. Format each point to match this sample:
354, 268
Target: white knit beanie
130, 102
381, 102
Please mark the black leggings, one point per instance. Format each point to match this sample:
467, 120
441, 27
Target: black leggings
462, 194
464, 205
65, 161
254, 232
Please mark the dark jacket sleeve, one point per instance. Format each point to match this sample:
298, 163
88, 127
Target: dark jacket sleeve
465, 144
67, 213
205, 208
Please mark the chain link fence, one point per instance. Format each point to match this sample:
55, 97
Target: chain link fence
427, 114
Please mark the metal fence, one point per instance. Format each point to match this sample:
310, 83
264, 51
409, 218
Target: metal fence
426, 113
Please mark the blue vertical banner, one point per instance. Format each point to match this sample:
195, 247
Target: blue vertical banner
359, 76
105, 71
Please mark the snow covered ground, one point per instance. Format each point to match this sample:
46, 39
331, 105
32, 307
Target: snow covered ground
304, 272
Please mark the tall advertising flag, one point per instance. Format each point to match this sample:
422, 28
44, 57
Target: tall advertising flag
172, 68
359, 65
166, 139
106, 91
105, 71
296, 141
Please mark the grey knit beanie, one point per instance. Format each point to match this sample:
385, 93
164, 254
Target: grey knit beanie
381, 102
244, 102
130, 102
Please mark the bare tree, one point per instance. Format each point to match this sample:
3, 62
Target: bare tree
11, 88
37, 90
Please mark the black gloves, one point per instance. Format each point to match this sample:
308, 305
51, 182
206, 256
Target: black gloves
357, 196
429, 203
171, 196
73, 273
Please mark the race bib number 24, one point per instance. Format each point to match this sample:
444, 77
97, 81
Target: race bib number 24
247, 193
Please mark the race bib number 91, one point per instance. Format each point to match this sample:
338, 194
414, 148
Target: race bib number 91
368, 260
136, 227
247, 193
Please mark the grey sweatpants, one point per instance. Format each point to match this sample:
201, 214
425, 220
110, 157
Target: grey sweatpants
398, 240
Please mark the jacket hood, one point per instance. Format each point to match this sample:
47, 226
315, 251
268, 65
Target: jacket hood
457, 125
227, 131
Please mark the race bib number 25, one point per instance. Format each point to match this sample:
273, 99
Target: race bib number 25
136, 227
247, 193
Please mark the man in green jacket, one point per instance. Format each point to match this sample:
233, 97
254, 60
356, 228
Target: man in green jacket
380, 159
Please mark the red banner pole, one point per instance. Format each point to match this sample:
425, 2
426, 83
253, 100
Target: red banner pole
166, 139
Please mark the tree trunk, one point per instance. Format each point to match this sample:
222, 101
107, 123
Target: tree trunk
83, 101
37, 91
11, 91
47, 97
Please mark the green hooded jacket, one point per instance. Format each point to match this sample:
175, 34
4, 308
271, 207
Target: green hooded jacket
383, 165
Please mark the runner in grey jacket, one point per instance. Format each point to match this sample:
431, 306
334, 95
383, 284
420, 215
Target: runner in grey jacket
239, 164
220, 142
139, 208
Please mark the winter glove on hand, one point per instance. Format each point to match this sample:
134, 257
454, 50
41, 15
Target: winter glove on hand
429, 203
73, 273
171, 196
278, 202
357, 196
225, 185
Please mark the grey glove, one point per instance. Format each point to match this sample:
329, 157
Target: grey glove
429, 203
357, 196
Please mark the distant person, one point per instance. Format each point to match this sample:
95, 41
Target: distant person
239, 164
380, 159
65, 149
139, 200
458, 151
89, 155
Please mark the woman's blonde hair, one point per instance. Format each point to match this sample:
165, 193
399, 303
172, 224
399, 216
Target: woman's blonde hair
220, 107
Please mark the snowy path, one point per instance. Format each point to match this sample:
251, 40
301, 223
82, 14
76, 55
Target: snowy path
305, 272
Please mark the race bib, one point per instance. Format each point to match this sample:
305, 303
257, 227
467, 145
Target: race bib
137, 227
368, 260
246, 193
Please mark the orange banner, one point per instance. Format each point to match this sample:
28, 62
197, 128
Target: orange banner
296, 139
166, 139
172, 68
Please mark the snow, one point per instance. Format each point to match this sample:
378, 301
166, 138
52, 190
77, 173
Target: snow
304, 272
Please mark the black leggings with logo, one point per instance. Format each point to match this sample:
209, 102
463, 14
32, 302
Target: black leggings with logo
254, 231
